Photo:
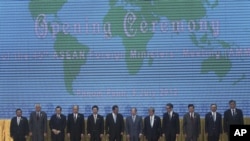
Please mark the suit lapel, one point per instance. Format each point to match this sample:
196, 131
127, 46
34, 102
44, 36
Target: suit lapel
218, 116
188, 116
94, 119
136, 119
15, 119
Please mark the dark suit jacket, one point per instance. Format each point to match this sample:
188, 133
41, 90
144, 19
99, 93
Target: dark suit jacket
191, 128
171, 126
152, 132
113, 128
38, 126
20, 130
134, 128
213, 127
57, 123
76, 128
230, 120
98, 126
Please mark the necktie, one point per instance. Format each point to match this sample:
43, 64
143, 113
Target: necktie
233, 112
75, 117
133, 118
151, 121
169, 114
37, 115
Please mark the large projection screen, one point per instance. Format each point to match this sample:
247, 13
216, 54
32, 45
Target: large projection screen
133, 53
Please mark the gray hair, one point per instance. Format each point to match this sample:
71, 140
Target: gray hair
37, 105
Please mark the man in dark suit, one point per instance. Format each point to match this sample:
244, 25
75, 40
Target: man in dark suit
57, 125
75, 125
191, 124
213, 124
114, 125
134, 126
232, 116
38, 124
19, 127
152, 126
95, 125
171, 124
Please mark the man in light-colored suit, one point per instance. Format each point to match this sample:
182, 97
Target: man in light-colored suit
134, 126
191, 124
38, 124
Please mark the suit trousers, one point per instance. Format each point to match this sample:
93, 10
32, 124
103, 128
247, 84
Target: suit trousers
170, 137
116, 137
75, 138
152, 138
36, 136
134, 138
213, 137
19, 138
192, 138
95, 136
59, 137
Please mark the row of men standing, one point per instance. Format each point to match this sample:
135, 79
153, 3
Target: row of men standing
135, 128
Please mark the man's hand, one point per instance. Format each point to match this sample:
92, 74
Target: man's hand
163, 135
30, 133
101, 136
128, 136
185, 135
140, 135
54, 131
177, 135
44, 134
82, 136
26, 137
68, 135
121, 133
89, 135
